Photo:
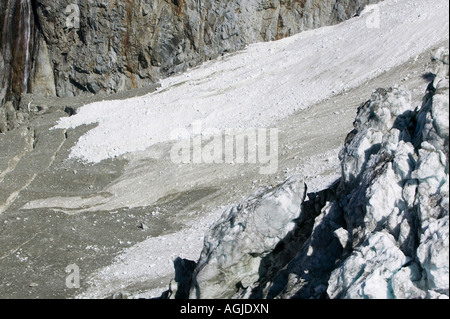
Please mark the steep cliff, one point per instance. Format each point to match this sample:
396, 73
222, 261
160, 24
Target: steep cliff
72, 47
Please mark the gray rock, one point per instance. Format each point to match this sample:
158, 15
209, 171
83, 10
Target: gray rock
8, 117
143, 226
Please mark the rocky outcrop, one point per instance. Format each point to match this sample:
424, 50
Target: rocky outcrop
71, 47
381, 232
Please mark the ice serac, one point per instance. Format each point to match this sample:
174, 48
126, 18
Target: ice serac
71, 48
380, 232
234, 250
395, 196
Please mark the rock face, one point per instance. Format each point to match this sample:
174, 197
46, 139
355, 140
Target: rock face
68, 48
16, 38
381, 232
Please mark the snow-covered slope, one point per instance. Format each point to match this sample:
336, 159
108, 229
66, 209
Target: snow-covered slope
266, 82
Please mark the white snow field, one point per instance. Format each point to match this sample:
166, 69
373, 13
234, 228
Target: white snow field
267, 81
258, 87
